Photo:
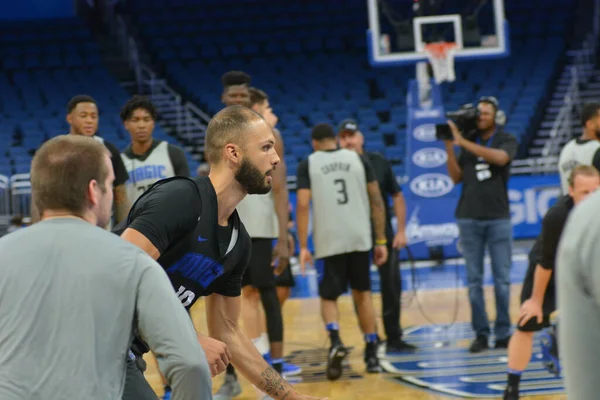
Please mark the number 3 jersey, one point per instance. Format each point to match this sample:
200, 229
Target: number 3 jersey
341, 217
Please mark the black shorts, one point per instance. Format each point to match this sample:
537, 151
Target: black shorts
286, 278
533, 326
548, 306
259, 273
336, 272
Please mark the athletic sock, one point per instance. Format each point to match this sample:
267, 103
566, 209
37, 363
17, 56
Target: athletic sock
231, 370
371, 338
278, 365
514, 378
334, 332
262, 345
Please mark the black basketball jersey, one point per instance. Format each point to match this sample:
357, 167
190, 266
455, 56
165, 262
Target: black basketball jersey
180, 217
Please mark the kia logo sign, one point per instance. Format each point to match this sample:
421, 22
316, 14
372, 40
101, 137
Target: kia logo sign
431, 185
429, 157
425, 133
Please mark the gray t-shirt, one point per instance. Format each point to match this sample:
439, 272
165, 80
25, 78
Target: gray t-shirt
578, 289
70, 296
340, 200
576, 152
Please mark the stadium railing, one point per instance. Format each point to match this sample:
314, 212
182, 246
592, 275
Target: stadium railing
562, 128
20, 193
190, 122
5, 209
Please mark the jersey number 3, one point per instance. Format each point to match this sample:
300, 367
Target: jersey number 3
343, 194
185, 296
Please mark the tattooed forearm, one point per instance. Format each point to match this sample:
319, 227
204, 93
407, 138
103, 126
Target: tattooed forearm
274, 385
377, 210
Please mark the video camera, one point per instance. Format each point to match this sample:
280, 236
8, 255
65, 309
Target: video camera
465, 119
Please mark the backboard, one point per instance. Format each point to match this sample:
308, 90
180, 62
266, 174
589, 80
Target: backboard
400, 29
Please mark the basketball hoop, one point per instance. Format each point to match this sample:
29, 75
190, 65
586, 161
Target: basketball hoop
441, 58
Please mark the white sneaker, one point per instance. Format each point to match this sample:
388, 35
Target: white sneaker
230, 388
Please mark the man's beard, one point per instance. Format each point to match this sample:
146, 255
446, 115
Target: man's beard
251, 179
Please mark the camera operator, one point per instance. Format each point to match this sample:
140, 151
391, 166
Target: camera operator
483, 215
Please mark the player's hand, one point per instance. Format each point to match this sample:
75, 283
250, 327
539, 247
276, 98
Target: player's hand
305, 258
400, 240
381, 254
281, 256
217, 354
458, 138
530, 308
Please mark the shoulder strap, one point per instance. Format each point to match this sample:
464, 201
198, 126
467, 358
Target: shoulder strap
155, 185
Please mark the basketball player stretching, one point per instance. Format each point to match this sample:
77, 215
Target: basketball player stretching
147, 160
538, 296
191, 228
344, 192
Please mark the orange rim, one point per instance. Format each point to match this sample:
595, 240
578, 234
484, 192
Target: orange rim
439, 49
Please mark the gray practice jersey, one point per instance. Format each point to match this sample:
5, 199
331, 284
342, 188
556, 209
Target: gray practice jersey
341, 216
577, 152
70, 296
162, 161
578, 289
257, 212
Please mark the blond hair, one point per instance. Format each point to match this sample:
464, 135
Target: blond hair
584, 170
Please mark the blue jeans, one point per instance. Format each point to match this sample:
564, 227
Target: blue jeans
497, 234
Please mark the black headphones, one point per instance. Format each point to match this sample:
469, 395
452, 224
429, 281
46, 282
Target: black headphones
499, 115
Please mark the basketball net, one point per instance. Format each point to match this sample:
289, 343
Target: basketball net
441, 58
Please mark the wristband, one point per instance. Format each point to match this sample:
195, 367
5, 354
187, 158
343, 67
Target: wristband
381, 242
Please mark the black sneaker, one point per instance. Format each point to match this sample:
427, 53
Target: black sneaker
479, 344
337, 353
399, 345
502, 343
371, 359
509, 394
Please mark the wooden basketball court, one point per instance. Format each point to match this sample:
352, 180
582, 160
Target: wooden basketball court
305, 333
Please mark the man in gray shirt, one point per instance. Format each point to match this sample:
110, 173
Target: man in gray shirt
71, 293
578, 290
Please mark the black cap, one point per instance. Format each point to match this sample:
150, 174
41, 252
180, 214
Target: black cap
348, 125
